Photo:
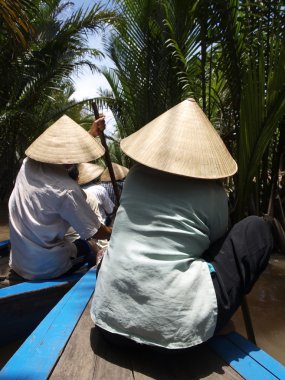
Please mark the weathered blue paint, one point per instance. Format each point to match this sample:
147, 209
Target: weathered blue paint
31, 286
38, 354
267, 361
4, 243
237, 354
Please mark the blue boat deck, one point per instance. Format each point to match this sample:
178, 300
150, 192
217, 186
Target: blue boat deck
66, 345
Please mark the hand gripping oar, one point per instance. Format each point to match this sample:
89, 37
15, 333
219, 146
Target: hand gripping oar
107, 157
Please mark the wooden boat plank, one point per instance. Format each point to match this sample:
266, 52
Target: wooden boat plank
196, 363
200, 362
89, 356
77, 356
110, 362
24, 305
149, 364
38, 354
80, 361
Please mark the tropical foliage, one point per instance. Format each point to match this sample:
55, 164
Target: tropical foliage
14, 16
229, 55
254, 33
36, 63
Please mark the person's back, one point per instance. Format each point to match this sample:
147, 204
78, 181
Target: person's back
120, 172
46, 201
106, 206
172, 276
43, 204
162, 228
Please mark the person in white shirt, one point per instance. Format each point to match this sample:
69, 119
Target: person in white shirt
82, 172
45, 201
120, 174
88, 180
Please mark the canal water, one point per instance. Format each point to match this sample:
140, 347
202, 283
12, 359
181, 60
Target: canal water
266, 303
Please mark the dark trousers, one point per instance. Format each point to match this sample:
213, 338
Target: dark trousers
83, 256
239, 258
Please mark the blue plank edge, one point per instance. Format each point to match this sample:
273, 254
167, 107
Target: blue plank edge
246, 358
272, 365
31, 286
4, 243
37, 356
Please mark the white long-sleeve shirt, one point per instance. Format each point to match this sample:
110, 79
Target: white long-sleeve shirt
106, 206
44, 203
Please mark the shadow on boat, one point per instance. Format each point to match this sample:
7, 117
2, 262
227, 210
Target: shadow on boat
193, 363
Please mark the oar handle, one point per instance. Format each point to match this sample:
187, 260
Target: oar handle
107, 157
95, 110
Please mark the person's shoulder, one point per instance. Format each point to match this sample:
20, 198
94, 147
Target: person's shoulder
60, 182
99, 188
106, 185
90, 197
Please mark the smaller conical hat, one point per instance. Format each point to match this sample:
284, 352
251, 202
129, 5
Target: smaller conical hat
181, 141
120, 172
88, 172
65, 142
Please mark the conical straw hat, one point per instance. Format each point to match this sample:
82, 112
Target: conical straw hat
120, 172
181, 141
65, 142
88, 172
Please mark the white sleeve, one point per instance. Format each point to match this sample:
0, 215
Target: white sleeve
107, 204
93, 203
75, 210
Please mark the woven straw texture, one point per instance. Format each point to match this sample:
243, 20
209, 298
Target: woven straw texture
88, 172
181, 141
120, 172
65, 142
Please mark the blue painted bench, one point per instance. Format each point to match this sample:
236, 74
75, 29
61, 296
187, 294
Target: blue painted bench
24, 305
246, 358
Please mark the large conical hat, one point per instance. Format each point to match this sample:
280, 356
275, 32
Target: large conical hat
120, 172
65, 142
88, 172
181, 141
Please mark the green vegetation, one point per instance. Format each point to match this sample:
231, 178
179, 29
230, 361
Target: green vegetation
227, 54
36, 62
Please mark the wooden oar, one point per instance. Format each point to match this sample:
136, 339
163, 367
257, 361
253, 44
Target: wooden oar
107, 157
